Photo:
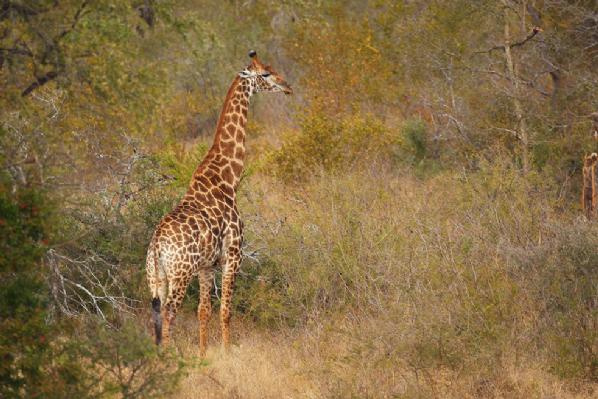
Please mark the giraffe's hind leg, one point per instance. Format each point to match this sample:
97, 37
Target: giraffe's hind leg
176, 293
204, 310
231, 266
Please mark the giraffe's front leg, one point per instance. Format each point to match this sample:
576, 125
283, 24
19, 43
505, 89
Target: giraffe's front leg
230, 268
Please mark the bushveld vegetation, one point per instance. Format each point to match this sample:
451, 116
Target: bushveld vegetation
413, 222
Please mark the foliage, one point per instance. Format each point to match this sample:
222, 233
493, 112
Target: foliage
352, 76
564, 271
324, 143
414, 133
24, 333
127, 364
465, 269
180, 165
37, 362
390, 281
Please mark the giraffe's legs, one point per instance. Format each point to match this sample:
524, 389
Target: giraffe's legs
204, 310
176, 293
231, 266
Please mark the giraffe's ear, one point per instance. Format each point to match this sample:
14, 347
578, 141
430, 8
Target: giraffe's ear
244, 73
252, 54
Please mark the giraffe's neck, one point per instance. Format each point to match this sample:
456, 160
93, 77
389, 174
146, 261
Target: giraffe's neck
227, 154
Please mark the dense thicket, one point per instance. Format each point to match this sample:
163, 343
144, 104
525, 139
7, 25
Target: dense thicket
412, 210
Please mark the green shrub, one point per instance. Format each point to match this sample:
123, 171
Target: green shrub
260, 295
37, 360
413, 132
126, 363
180, 165
330, 144
24, 333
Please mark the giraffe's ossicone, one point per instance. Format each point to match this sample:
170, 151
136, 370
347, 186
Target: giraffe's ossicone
204, 230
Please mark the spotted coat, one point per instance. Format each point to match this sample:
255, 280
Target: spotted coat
204, 231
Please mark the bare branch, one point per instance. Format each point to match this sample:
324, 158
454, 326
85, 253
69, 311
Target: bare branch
529, 37
51, 46
49, 76
76, 19
87, 290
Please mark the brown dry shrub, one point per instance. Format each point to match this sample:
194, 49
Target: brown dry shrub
461, 272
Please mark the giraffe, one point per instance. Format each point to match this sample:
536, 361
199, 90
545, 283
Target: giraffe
204, 230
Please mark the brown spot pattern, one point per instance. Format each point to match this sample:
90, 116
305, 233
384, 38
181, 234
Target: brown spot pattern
204, 230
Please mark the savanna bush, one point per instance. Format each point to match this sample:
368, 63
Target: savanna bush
561, 273
24, 333
325, 143
180, 164
414, 138
462, 270
99, 268
124, 362
46, 355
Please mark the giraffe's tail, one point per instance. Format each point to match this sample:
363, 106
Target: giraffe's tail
157, 319
155, 287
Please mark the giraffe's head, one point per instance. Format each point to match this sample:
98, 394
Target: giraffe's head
263, 77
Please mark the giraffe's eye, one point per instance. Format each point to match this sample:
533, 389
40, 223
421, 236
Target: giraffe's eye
265, 75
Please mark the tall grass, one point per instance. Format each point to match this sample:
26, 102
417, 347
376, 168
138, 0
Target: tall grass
403, 285
374, 277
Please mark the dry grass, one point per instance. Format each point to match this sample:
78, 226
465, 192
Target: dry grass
258, 365
321, 362
377, 285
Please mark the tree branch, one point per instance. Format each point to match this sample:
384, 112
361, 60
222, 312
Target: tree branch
52, 46
40, 82
23, 10
16, 50
529, 37
76, 19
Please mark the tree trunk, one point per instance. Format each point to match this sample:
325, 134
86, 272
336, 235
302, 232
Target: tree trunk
522, 133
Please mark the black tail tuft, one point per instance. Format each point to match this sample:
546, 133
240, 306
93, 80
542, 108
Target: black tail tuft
157, 318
